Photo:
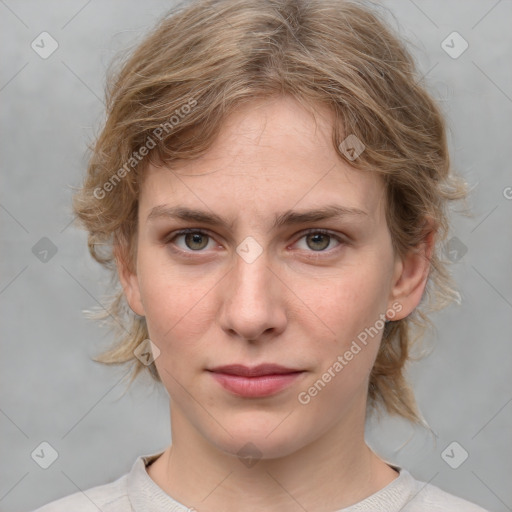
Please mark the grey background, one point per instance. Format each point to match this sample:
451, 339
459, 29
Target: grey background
51, 390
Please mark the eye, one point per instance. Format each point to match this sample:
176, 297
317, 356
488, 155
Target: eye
318, 240
193, 239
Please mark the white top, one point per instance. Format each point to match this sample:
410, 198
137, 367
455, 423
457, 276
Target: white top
137, 492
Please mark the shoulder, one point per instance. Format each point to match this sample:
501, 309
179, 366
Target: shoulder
111, 497
428, 497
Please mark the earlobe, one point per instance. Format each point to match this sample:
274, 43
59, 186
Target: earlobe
129, 281
411, 276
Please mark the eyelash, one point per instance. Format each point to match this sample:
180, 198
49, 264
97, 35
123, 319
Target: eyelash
169, 240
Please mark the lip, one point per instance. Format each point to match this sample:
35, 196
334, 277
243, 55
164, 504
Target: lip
258, 381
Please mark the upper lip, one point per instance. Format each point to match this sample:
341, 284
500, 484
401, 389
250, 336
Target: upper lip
254, 371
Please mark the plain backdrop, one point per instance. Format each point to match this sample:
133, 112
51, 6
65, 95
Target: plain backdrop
52, 392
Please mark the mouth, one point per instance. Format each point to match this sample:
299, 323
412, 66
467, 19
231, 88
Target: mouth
258, 381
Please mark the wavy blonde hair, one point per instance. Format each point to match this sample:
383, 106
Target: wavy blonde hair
205, 59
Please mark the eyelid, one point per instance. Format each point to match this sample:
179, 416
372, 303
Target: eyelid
184, 231
334, 234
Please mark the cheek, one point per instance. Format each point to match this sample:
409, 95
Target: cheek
351, 301
177, 309
350, 307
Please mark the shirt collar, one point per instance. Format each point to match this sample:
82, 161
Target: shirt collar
146, 496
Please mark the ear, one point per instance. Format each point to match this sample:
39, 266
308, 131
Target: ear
128, 278
411, 274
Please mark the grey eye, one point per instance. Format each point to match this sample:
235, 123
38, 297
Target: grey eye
318, 241
196, 241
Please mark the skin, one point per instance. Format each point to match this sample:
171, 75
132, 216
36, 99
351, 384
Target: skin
300, 304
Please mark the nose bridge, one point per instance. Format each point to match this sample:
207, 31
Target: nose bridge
252, 303
250, 275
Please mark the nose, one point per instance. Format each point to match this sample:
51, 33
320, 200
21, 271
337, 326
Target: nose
252, 302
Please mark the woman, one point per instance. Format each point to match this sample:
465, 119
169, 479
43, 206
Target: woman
271, 186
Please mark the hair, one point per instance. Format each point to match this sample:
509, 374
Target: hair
204, 59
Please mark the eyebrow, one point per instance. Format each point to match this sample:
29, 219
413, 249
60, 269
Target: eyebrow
290, 217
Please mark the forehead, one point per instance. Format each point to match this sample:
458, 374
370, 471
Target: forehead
271, 155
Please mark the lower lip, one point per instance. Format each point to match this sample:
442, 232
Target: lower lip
255, 386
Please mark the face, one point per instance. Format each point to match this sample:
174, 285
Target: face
288, 260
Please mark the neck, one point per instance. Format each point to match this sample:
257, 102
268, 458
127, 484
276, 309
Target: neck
330, 473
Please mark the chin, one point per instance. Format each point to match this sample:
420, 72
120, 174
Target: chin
259, 439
